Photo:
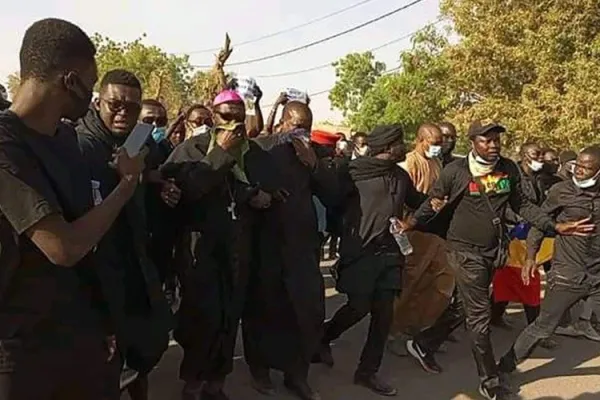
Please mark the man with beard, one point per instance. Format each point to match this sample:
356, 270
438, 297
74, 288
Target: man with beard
219, 174
370, 259
449, 133
479, 189
129, 278
575, 273
53, 324
285, 308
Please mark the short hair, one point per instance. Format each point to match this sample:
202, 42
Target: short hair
120, 77
358, 135
51, 46
196, 106
548, 150
593, 151
526, 146
447, 125
153, 103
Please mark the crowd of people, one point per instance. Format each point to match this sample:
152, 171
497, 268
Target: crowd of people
230, 213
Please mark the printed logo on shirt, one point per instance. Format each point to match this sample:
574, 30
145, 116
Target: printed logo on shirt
493, 184
96, 194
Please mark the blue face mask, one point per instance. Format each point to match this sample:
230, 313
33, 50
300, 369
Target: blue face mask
586, 183
159, 134
434, 151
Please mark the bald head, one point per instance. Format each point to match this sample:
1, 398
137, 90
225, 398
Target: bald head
296, 115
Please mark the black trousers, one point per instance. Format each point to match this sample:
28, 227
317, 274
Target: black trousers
499, 308
432, 338
474, 274
381, 306
559, 298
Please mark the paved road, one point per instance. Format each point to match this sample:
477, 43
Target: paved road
571, 372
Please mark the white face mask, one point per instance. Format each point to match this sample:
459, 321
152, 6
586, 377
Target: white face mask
536, 165
586, 183
434, 151
201, 130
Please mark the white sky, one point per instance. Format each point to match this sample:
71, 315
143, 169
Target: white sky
185, 25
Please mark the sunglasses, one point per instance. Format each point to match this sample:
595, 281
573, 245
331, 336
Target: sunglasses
116, 106
159, 122
200, 121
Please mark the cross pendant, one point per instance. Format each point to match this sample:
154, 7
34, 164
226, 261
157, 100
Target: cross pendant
231, 210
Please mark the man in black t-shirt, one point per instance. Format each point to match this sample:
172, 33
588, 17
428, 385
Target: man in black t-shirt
52, 319
479, 189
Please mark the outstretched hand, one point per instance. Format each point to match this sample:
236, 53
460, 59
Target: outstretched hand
582, 227
528, 271
305, 152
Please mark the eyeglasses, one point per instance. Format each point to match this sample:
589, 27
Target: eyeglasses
116, 106
200, 121
159, 122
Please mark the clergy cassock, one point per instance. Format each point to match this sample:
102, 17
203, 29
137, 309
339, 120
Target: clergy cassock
214, 210
284, 314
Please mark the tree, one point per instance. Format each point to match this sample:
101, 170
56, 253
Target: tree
164, 77
418, 92
531, 65
356, 74
205, 85
12, 82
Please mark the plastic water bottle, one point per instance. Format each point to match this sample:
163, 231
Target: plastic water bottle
400, 237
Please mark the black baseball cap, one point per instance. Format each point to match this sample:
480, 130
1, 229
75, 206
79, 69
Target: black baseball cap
478, 128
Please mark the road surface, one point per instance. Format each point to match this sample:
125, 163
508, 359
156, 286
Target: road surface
571, 372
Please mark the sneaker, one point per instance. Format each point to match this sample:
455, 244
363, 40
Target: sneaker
569, 331
587, 330
496, 393
427, 361
376, 385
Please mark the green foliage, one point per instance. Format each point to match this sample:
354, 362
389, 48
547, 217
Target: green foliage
164, 77
531, 65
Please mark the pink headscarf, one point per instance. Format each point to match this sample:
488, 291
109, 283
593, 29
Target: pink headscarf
227, 96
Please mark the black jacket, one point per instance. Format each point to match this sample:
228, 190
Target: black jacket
576, 259
471, 226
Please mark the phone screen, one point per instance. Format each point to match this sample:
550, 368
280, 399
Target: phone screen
137, 139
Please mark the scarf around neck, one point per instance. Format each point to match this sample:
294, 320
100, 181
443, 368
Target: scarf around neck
478, 169
364, 168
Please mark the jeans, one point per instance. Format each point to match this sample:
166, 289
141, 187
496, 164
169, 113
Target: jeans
381, 306
559, 298
474, 274
433, 337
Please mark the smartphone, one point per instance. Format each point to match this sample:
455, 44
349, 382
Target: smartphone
137, 139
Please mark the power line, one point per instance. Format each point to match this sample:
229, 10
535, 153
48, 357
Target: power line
323, 40
329, 64
311, 95
290, 29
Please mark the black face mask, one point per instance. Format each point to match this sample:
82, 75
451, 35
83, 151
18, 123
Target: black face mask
82, 97
550, 169
448, 148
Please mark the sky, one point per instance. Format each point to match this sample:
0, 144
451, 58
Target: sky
187, 26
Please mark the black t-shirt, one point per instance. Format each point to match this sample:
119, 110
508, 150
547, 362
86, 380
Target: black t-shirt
37, 174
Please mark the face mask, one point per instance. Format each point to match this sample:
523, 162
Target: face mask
586, 183
434, 151
536, 165
550, 169
483, 161
82, 99
201, 130
159, 134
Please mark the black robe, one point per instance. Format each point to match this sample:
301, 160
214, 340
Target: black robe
285, 307
213, 290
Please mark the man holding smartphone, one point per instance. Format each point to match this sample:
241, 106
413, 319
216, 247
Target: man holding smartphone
53, 323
